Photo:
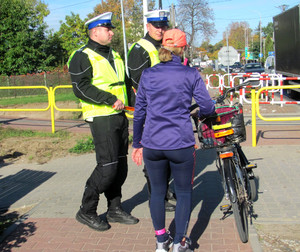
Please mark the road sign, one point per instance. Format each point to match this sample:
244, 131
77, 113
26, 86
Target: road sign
228, 56
272, 53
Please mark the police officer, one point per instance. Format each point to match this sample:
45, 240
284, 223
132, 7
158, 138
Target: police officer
144, 54
98, 79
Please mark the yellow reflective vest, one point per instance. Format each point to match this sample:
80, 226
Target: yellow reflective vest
150, 48
106, 79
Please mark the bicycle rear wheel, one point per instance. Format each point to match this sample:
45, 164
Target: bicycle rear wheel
251, 186
253, 189
241, 219
238, 201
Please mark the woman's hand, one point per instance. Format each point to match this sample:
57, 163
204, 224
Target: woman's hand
137, 156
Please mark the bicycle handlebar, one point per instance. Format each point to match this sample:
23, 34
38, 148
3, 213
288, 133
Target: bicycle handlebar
221, 98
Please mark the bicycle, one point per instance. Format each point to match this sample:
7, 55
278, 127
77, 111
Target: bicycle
225, 131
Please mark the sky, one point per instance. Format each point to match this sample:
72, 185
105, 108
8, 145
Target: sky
225, 12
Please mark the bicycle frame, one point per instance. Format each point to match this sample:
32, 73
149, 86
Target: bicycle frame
225, 135
236, 185
232, 153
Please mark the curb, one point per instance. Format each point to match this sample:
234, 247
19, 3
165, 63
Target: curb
253, 239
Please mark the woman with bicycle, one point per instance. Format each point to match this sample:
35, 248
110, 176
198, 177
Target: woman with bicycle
163, 134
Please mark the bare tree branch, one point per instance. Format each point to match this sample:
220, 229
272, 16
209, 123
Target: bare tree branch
195, 18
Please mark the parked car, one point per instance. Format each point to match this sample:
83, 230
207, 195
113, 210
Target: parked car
253, 68
270, 65
236, 67
223, 68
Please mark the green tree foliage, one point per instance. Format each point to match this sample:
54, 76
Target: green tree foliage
55, 51
255, 48
257, 42
26, 46
218, 46
210, 50
113, 6
268, 46
133, 13
268, 30
268, 43
237, 34
22, 37
71, 35
135, 29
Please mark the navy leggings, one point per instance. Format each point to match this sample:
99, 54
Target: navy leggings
181, 162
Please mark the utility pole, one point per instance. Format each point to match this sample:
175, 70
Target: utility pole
145, 10
124, 36
260, 38
260, 42
172, 14
283, 7
227, 53
246, 43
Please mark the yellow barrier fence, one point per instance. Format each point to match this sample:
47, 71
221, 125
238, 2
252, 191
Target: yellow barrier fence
29, 87
52, 91
254, 98
255, 109
51, 102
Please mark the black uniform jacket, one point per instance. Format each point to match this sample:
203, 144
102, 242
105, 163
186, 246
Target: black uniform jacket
139, 59
81, 72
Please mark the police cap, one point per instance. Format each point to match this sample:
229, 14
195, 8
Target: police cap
103, 20
158, 18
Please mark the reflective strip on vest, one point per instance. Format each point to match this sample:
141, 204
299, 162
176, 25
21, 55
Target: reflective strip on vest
105, 78
151, 50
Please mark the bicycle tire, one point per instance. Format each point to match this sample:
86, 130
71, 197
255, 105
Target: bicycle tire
248, 186
253, 189
241, 220
239, 204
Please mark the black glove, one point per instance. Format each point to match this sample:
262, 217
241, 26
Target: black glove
214, 115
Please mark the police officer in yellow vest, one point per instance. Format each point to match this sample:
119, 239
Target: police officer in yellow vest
98, 78
144, 54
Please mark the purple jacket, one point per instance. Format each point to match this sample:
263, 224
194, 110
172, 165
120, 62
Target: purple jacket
162, 117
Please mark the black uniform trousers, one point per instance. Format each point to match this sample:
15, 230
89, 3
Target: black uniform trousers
110, 135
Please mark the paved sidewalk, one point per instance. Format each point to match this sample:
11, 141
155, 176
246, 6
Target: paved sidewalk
53, 191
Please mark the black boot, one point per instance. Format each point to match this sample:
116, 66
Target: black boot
117, 214
169, 206
170, 195
93, 221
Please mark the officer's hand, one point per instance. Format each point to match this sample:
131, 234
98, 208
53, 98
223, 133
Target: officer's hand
118, 105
